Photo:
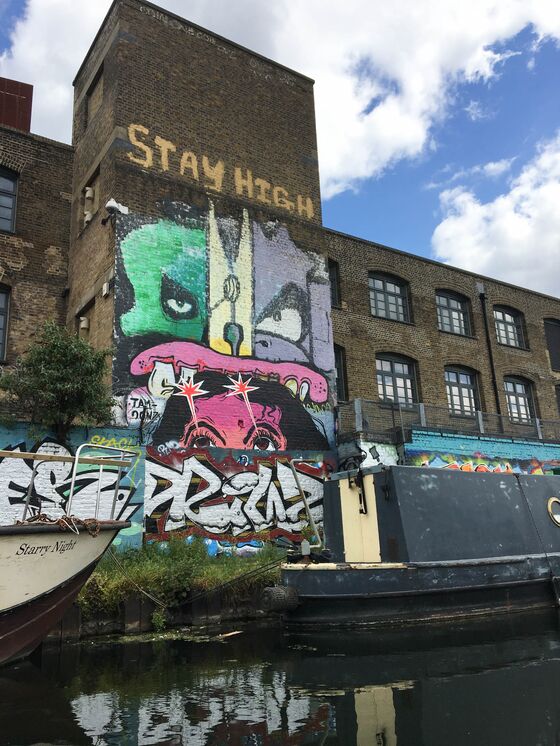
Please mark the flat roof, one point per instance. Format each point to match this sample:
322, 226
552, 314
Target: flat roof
195, 26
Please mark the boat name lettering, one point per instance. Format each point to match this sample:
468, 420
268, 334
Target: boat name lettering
58, 547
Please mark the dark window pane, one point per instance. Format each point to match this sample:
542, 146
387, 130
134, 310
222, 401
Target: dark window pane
340, 367
334, 277
552, 334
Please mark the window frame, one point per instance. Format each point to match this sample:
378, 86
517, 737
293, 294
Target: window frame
528, 397
471, 388
386, 278
10, 175
518, 323
411, 376
342, 379
465, 310
334, 273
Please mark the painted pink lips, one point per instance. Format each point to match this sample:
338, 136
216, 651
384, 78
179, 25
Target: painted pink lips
302, 381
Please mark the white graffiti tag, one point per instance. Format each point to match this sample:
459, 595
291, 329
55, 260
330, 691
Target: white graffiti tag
246, 501
51, 488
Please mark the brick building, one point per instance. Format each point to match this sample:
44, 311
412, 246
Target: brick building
238, 321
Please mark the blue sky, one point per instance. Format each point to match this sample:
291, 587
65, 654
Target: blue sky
516, 111
438, 122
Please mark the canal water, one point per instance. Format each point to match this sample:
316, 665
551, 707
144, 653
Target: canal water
485, 685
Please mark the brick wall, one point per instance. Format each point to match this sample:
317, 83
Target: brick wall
34, 258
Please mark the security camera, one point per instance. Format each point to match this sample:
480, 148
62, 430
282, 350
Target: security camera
114, 208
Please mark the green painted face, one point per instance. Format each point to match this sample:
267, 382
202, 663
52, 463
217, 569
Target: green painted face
167, 266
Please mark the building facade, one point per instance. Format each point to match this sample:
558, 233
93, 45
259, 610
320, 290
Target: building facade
183, 228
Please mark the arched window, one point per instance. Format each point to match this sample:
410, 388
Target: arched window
389, 297
552, 335
8, 193
396, 379
453, 313
509, 326
461, 385
520, 398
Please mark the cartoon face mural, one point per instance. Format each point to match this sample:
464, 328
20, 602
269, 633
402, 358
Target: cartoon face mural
166, 265
223, 336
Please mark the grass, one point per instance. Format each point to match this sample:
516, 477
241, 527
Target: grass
173, 573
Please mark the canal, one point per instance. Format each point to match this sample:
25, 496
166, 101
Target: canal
262, 685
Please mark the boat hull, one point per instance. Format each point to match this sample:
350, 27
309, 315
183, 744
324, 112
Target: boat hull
43, 570
397, 596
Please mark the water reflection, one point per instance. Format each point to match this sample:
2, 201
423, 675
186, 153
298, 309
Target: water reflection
472, 686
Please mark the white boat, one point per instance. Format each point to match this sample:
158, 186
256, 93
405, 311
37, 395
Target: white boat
44, 563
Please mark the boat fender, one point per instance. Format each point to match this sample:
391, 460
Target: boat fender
280, 598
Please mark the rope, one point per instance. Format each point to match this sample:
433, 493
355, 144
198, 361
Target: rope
121, 567
65, 523
250, 574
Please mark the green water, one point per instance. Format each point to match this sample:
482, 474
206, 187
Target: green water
492, 685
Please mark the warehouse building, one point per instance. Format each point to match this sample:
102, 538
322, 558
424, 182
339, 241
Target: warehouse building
183, 227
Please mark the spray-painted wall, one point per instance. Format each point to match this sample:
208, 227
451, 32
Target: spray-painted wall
51, 486
224, 368
471, 453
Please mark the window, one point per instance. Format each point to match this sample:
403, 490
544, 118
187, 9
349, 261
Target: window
453, 313
462, 391
389, 297
396, 379
4, 308
94, 96
509, 326
519, 396
341, 379
8, 191
558, 398
334, 277
552, 335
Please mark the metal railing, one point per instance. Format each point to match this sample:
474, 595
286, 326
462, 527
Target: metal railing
393, 422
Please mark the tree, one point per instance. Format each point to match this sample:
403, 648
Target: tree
60, 381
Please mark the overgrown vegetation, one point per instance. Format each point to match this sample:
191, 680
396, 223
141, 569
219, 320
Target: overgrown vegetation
60, 381
172, 573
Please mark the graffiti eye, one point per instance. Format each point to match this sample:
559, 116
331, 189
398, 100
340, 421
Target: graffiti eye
287, 315
265, 442
201, 441
177, 302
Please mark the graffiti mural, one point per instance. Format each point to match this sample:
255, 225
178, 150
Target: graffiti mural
51, 486
482, 464
224, 341
198, 494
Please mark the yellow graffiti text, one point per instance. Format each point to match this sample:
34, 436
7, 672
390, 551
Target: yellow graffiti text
155, 151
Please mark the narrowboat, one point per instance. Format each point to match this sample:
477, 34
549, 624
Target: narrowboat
405, 545
44, 563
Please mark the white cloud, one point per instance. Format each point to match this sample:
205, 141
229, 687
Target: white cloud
476, 112
405, 57
515, 237
490, 170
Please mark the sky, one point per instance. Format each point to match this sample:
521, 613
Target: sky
438, 121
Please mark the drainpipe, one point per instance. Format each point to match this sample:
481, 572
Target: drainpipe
482, 296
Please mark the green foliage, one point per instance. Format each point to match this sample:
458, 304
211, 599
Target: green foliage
59, 381
159, 620
172, 573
